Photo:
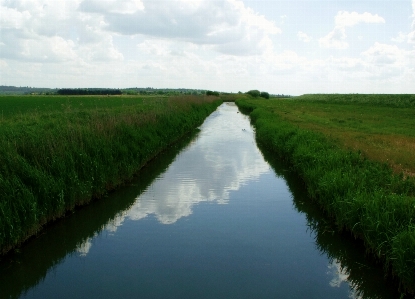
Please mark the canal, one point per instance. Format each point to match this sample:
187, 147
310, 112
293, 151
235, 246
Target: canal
211, 217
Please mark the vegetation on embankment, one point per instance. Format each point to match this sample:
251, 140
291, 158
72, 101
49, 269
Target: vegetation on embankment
364, 196
60, 152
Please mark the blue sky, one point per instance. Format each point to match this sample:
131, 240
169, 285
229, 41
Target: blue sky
290, 47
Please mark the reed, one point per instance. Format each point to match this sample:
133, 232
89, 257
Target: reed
66, 155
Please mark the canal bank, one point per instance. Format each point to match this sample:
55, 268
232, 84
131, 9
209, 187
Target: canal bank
59, 158
362, 196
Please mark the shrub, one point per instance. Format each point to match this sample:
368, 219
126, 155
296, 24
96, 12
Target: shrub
212, 93
264, 95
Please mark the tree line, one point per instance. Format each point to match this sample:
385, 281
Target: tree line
88, 91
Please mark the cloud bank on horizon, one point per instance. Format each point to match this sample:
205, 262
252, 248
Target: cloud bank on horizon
290, 47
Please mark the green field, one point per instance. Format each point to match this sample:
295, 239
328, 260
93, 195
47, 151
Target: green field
382, 127
355, 154
58, 152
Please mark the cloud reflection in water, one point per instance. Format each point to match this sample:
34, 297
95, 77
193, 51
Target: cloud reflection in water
340, 274
222, 159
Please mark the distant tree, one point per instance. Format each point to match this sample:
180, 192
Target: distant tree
93, 91
264, 95
254, 93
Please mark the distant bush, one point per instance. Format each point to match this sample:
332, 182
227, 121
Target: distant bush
212, 93
264, 95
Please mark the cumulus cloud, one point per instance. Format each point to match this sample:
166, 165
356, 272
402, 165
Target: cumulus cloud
228, 25
336, 39
382, 54
12, 18
221, 44
303, 37
53, 32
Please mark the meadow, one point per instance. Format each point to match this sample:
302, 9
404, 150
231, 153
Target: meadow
355, 155
60, 152
381, 128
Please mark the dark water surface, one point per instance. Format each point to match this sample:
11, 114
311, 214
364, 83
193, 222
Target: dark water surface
209, 218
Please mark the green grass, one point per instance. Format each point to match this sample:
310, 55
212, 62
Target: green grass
363, 195
380, 131
15, 106
75, 149
386, 100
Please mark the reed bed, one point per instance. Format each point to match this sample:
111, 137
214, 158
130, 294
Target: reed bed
363, 196
77, 149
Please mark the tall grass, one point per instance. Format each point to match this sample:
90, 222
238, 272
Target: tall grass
54, 160
387, 100
363, 196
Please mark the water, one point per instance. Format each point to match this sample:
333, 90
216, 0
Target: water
209, 218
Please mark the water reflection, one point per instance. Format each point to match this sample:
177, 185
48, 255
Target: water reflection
338, 272
23, 269
349, 264
223, 159
84, 247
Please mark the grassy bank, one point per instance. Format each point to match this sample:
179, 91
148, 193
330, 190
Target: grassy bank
364, 193
60, 152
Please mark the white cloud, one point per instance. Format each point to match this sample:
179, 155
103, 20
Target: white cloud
402, 37
383, 54
381, 62
12, 18
221, 44
303, 37
336, 39
228, 25
349, 19
53, 32
411, 35
113, 6
407, 37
